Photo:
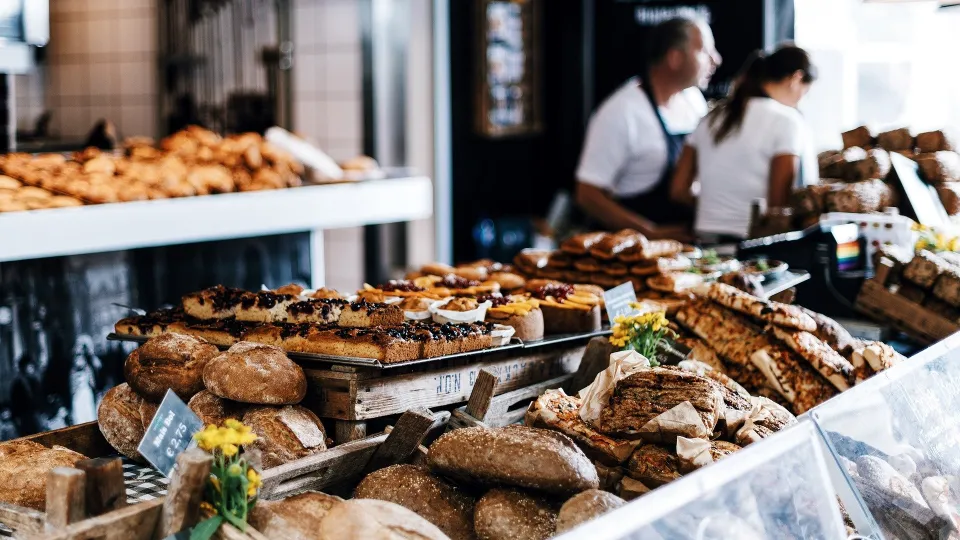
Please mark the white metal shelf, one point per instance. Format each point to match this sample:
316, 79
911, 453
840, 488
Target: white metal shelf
113, 227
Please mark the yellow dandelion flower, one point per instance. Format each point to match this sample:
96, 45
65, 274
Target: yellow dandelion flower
233, 424
251, 492
215, 482
254, 478
235, 470
229, 450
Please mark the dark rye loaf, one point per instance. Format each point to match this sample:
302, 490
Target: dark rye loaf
514, 456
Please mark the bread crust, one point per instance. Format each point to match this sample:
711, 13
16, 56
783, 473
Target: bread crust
214, 410
23, 476
430, 496
302, 512
255, 373
285, 434
584, 507
120, 420
168, 361
363, 519
510, 514
514, 455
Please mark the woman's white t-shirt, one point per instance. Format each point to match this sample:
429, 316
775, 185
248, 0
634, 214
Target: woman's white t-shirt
625, 151
737, 171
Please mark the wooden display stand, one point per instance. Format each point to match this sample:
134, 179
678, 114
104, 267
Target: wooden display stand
353, 395
90, 501
876, 301
490, 410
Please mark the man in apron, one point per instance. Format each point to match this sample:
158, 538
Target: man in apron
636, 135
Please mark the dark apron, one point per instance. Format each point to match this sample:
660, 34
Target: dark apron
656, 205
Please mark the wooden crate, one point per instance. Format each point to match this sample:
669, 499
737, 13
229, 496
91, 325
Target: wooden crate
164, 516
353, 395
876, 301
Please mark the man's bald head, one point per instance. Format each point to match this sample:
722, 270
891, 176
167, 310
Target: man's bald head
684, 46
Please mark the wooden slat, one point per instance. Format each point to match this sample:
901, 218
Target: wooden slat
388, 395
136, 522
24, 520
403, 440
596, 358
66, 497
482, 394
502, 412
83, 438
460, 419
920, 323
105, 488
319, 471
181, 506
345, 431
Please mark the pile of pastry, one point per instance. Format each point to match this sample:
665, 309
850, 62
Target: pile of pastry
16, 197
194, 161
252, 382
507, 483
657, 424
786, 353
931, 280
658, 269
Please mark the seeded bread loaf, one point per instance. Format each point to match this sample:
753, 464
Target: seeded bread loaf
510, 514
586, 506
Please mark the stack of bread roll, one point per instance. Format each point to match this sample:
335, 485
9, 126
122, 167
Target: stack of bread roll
251, 382
510, 483
932, 280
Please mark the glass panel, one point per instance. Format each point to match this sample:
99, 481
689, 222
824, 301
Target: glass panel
897, 441
776, 489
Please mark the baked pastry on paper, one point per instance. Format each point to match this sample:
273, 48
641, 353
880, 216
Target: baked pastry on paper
818, 354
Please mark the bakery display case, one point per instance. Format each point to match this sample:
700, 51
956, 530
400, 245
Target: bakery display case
778, 488
895, 442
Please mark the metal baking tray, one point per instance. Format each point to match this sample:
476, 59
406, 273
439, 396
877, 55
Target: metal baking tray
561, 338
354, 361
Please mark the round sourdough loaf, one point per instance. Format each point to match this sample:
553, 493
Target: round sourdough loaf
215, 410
255, 373
23, 476
510, 514
173, 361
515, 456
123, 417
432, 498
285, 433
367, 519
586, 506
302, 513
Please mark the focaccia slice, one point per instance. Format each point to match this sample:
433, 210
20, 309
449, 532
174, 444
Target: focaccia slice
362, 314
765, 310
217, 302
150, 325
264, 306
828, 362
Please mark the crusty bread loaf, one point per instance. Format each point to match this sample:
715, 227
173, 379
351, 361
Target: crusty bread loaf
255, 373
515, 456
510, 514
23, 474
939, 167
168, 361
302, 512
949, 193
586, 506
897, 139
121, 418
860, 136
215, 410
285, 433
367, 519
431, 497
935, 141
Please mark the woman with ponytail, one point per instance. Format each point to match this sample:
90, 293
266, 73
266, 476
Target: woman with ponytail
753, 145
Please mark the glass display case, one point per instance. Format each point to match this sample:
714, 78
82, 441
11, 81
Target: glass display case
776, 489
895, 445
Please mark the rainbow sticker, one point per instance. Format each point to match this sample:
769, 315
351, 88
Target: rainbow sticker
848, 255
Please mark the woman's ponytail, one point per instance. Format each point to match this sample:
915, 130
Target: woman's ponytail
758, 70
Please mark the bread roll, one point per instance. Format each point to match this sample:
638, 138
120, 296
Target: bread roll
121, 418
23, 474
857, 137
586, 506
934, 141
897, 139
255, 373
509, 514
367, 519
173, 361
303, 513
516, 456
939, 167
285, 433
431, 497
215, 410
949, 193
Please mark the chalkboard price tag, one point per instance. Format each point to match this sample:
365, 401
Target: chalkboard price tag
618, 299
170, 432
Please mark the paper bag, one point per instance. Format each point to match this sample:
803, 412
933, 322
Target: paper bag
693, 454
596, 396
680, 421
